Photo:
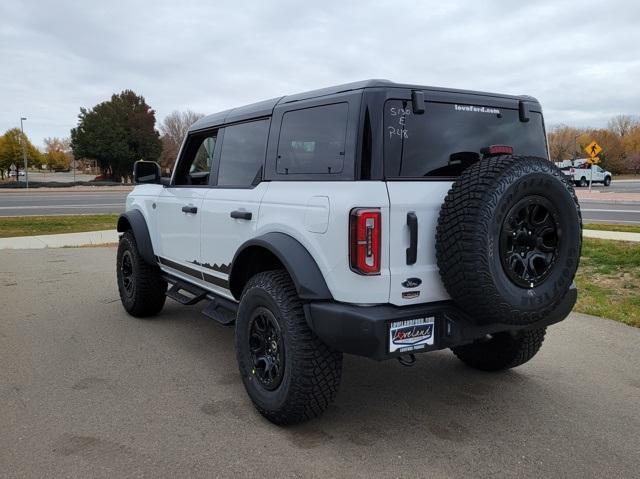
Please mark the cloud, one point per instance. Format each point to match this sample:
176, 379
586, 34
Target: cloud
578, 58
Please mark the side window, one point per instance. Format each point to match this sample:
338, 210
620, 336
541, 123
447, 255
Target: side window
313, 140
243, 151
194, 167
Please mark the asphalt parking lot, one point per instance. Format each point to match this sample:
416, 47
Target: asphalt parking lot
86, 391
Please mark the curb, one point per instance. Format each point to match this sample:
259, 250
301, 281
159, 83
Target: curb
94, 238
88, 238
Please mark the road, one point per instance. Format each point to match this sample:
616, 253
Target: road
49, 202
603, 212
617, 186
86, 391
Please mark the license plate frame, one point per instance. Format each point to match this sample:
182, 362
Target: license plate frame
414, 334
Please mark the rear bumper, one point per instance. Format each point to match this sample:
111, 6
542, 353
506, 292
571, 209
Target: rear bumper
364, 330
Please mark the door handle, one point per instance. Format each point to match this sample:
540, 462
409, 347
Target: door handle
190, 209
412, 250
241, 215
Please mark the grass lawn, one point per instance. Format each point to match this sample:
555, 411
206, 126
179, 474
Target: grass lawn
611, 227
609, 280
45, 225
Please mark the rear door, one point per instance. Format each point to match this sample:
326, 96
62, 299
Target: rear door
423, 155
232, 205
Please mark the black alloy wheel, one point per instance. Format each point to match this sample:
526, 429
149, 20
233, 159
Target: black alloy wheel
529, 241
266, 348
126, 269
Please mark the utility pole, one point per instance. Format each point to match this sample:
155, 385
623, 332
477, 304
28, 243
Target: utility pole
24, 154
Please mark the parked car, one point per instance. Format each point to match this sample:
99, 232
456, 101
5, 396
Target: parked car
20, 173
373, 218
582, 173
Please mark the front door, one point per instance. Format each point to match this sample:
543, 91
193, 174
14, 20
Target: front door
180, 207
231, 207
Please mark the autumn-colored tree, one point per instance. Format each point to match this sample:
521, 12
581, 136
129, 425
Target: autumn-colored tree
117, 133
173, 129
564, 143
613, 155
11, 144
58, 154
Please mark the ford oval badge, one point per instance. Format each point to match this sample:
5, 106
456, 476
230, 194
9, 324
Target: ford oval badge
411, 282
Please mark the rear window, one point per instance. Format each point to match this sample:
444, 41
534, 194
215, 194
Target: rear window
447, 137
313, 140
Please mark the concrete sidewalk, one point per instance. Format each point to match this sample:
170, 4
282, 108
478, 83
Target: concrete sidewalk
90, 238
87, 238
612, 235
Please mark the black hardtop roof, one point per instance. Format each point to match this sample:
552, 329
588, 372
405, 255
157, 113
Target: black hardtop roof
265, 108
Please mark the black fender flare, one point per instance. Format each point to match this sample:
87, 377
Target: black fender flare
134, 220
303, 269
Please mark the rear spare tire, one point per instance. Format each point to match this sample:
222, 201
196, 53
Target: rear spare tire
508, 239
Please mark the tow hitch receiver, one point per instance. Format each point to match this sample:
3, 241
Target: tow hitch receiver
407, 360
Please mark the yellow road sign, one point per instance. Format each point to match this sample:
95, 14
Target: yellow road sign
593, 149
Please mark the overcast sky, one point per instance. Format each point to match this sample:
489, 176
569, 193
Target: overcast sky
579, 58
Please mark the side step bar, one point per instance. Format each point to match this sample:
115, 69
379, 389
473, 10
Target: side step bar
195, 294
219, 309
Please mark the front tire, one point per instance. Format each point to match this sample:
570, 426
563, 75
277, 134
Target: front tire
141, 286
290, 375
607, 180
501, 350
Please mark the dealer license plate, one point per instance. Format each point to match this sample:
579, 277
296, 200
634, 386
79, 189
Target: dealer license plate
411, 334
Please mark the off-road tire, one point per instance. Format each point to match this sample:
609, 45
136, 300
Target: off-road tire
502, 350
470, 231
312, 370
149, 288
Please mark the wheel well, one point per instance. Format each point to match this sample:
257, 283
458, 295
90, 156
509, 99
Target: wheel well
253, 260
123, 224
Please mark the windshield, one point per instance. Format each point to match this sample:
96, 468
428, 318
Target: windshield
448, 137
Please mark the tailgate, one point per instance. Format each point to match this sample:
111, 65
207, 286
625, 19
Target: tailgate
417, 282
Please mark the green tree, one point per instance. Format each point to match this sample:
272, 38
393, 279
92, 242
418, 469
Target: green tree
117, 133
11, 151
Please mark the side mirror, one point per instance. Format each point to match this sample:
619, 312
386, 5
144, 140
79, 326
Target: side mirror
146, 172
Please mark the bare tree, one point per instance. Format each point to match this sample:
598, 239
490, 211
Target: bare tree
621, 125
173, 130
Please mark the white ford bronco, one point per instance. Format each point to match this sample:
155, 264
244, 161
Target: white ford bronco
372, 218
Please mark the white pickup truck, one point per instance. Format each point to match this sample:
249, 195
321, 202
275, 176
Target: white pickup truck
580, 173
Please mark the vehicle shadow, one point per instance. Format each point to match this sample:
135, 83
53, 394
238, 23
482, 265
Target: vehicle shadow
439, 395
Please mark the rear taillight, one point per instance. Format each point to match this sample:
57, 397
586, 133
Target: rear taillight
364, 240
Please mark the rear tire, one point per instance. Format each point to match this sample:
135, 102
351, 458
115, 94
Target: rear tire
501, 350
583, 182
290, 375
141, 286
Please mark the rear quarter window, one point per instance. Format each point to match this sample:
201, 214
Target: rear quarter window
448, 137
312, 140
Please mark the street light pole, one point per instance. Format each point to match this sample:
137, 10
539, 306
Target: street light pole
24, 154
